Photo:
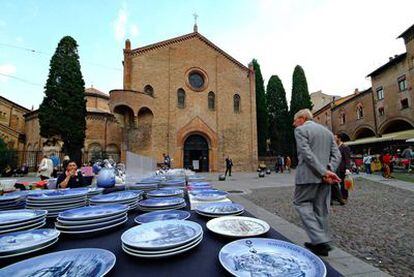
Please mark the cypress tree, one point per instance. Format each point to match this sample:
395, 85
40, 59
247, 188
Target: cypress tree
300, 100
279, 120
261, 110
300, 93
63, 110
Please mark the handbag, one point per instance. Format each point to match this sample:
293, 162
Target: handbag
349, 182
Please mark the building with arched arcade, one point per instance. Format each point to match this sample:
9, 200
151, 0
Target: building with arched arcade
384, 110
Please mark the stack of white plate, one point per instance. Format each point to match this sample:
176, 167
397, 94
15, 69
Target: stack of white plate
144, 187
129, 198
12, 202
17, 220
219, 209
164, 203
173, 183
91, 192
92, 219
165, 193
195, 178
161, 238
56, 201
24, 242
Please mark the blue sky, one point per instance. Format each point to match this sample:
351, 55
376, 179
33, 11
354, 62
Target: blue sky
337, 42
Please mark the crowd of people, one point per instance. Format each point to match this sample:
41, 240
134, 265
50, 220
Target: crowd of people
385, 162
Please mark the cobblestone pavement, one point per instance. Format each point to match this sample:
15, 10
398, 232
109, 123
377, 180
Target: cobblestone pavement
377, 225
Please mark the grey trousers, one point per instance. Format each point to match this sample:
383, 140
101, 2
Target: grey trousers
312, 201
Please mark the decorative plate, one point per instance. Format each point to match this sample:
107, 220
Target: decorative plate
161, 202
220, 208
81, 227
8, 198
160, 235
70, 263
162, 215
165, 192
16, 216
48, 195
171, 253
19, 241
203, 191
92, 212
211, 196
31, 226
175, 207
199, 184
116, 196
88, 221
238, 226
269, 257
88, 231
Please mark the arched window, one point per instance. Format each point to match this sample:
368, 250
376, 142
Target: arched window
236, 103
211, 101
180, 98
342, 117
149, 90
360, 111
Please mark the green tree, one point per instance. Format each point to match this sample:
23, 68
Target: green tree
63, 110
8, 157
279, 120
261, 110
300, 93
300, 100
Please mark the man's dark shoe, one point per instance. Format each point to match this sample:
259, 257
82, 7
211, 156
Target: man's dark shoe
321, 249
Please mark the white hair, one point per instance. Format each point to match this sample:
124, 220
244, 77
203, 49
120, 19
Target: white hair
305, 114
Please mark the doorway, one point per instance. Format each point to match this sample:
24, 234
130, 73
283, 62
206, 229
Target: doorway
196, 153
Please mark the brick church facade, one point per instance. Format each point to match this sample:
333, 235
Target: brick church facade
188, 98
184, 97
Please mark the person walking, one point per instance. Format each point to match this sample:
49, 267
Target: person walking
367, 160
343, 166
229, 165
45, 168
318, 158
288, 163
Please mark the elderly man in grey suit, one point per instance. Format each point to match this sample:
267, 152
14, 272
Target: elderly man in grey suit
318, 158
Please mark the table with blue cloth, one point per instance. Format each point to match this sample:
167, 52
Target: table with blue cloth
199, 261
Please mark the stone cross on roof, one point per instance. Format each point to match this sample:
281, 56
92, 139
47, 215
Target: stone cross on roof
195, 22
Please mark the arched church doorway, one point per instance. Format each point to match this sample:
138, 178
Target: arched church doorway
196, 153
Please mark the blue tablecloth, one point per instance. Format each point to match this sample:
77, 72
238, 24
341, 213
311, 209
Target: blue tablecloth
199, 261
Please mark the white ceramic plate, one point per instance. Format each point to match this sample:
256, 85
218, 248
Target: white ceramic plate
269, 257
238, 226
162, 255
21, 215
26, 227
93, 230
217, 215
40, 247
90, 221
90, 226
163, 208
91, 262
195, 241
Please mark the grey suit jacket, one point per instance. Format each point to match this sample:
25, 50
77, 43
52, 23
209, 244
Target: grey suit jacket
317, 152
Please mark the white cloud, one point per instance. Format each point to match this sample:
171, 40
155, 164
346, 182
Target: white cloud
133, 30
19, 39
121, 26
7, 69
120, 23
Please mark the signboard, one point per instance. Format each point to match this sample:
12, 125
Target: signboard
196, 164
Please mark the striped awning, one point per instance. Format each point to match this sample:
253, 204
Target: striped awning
396, 136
